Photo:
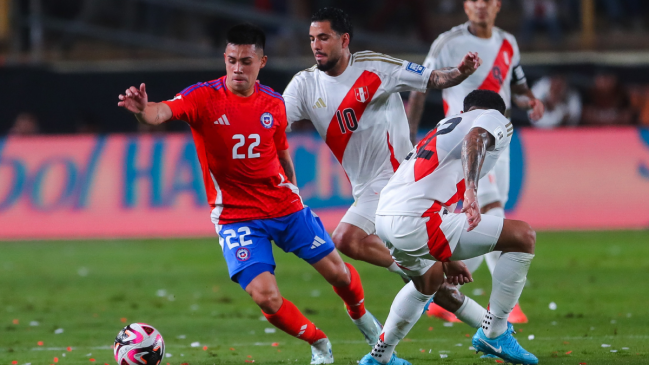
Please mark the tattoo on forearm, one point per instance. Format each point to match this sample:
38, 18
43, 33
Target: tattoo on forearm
474, 149
446, 77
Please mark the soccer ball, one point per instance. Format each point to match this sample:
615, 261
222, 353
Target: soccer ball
139, 344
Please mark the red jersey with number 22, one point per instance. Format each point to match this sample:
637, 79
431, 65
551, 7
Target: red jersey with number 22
237, 139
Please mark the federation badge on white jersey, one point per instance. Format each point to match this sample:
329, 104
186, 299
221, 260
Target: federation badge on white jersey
362, 94
267, 120
415, 68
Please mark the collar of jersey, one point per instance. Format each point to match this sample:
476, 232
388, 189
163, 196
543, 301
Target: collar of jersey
478, 39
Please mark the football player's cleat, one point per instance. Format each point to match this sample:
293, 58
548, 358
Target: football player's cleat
489, 356
394, 360
439, 312
370, 327
504, 346
321, 352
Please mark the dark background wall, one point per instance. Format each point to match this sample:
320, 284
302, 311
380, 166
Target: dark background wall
62, 101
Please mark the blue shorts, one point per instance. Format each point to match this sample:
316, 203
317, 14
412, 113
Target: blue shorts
246, 245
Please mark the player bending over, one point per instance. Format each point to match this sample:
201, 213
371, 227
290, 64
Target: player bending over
501, 73
415, 217
238, 127
353, 101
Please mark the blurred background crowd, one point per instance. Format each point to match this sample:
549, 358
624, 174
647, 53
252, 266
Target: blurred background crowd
63, 62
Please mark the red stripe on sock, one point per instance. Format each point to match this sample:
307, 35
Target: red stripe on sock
353, 294
290, 320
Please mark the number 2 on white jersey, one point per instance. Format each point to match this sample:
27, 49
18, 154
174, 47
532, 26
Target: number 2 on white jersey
242, 141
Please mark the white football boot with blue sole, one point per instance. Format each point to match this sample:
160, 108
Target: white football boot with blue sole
394, 360
370, 327
504, 346
321, 352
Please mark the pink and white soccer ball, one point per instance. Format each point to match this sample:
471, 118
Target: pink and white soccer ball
139, 344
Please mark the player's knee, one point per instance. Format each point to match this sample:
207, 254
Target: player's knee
527, 239
344, 243
449, 297
339, 278
268, 299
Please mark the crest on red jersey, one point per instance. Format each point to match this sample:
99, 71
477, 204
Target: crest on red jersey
362, 94
267, 120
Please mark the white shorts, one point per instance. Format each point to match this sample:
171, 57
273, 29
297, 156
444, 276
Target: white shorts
362, 213
416, 243
494, 187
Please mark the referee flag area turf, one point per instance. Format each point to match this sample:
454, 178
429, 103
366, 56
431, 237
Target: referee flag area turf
64, 302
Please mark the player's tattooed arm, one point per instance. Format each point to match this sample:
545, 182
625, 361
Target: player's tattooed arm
137, 102
287, 164
474, 149
451, 76
525, 99
416, 104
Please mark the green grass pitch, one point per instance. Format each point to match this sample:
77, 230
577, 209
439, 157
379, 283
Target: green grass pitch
598, 281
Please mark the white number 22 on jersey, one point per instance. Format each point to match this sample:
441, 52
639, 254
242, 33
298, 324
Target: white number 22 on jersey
242, 141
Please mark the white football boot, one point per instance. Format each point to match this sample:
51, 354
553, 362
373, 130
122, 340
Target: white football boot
370, 327
321, 352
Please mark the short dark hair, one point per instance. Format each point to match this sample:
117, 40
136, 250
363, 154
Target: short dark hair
484, 99
247, 33
339, 20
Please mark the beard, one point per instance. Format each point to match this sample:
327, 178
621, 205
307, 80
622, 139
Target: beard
324, 67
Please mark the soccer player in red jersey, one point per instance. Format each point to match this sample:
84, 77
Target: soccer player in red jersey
238, 126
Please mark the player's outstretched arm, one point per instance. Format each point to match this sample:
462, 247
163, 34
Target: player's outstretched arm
525, 99
474, 149
287, 164
451, 76
416, 104
137, 102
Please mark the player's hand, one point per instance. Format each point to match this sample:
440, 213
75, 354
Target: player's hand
471, 208
457, 273
134, 100
469, 63
536, 109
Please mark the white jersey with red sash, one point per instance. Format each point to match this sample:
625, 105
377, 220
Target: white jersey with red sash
500, 64
360, 114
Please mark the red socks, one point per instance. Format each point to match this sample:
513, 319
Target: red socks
352, 294
290, 320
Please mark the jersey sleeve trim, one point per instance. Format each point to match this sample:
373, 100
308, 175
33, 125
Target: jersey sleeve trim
365, 56
271, 92
216, 84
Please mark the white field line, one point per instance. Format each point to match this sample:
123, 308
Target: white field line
571, 338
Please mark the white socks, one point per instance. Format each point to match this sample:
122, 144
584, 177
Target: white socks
492, 257
405, 311
508, 280
471, 313
397, 270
